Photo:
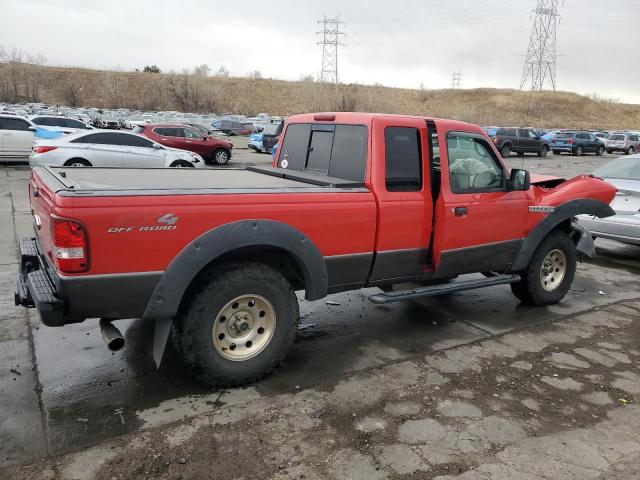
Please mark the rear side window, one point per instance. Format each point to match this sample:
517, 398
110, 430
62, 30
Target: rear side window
403, 163
99, 139
335, 150
633, 138
15, 124
134, 141
71, 123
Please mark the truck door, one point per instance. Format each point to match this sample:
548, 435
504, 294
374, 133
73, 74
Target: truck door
402, 187
479, 223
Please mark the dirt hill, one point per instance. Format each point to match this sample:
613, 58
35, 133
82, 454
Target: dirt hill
155, 91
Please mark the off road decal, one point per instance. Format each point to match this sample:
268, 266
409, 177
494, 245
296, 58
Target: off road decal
169, 219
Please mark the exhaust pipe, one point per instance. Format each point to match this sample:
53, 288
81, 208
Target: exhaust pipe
111, 335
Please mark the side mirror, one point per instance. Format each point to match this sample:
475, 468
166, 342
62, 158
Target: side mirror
157, 146
519, 181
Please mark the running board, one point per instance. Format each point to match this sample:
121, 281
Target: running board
443, 288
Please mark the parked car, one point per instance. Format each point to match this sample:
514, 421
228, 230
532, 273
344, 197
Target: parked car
216, 258
602, 136
110, 149
213, 150
521, 141
271, 135
255, 142
109, 123
65, 124
624, 174
235, 127
577, 143
628, 143
16, 136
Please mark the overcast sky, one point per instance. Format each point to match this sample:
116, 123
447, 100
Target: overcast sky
401, 43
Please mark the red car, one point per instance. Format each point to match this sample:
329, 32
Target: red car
213, 150
354, 200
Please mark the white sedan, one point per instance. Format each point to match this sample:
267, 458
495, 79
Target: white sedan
110, 149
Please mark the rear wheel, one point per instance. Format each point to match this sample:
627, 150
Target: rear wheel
550, 272
505, 151
181, 164
630, 151
221, 156
609, 152
556, 152
237, 324
543, 151
77, 162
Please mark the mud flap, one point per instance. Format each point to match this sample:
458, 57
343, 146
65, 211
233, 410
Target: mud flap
584, 241
160, 337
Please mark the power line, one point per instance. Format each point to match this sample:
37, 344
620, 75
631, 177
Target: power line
331, 36
540, 63
455, 80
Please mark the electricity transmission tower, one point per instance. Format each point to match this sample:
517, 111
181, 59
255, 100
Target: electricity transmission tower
330, 42
540, 62
455, 79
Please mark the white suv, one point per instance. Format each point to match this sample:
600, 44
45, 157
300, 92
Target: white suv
110, 149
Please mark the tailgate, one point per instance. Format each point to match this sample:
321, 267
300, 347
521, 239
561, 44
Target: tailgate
42, 201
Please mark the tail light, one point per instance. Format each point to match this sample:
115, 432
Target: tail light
43, 149
69, 246
571, 141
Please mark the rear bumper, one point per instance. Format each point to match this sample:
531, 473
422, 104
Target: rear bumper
62, 299
561, 148
34, 288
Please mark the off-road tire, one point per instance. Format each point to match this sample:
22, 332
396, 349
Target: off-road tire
193, 326
220, 156
77, 162
544, 150
530, 290
505, 151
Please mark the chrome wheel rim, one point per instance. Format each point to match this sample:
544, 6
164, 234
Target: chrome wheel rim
221, 157
553, 270
77, 164
244, 327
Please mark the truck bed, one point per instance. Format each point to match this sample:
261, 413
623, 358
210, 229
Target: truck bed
158, 181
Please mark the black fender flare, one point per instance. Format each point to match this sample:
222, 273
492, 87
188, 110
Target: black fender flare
561, 213
168, 294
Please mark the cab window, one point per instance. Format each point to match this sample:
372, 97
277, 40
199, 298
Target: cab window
472, 165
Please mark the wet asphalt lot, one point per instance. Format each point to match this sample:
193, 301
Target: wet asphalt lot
61, 389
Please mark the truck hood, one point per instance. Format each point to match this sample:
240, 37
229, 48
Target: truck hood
547, 181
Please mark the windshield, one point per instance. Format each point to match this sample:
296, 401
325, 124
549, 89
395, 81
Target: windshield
616, 137
623, 168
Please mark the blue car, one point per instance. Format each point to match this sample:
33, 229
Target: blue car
274, 151
255, 142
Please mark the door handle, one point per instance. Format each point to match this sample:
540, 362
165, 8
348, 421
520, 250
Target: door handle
460, 211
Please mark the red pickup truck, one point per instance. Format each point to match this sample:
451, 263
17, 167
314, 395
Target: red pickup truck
352, 200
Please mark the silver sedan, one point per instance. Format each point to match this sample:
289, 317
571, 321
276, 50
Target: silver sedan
624, 226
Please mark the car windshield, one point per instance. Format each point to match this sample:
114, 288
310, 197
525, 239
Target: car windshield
622, 168
616, 137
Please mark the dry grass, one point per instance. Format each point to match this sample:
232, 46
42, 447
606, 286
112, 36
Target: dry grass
149, 91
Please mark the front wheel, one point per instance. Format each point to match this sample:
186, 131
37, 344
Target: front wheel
578, 151
600, 151
543, 151
237, 324
221, 156
630, 151
550, 272
181, 164
505, 151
